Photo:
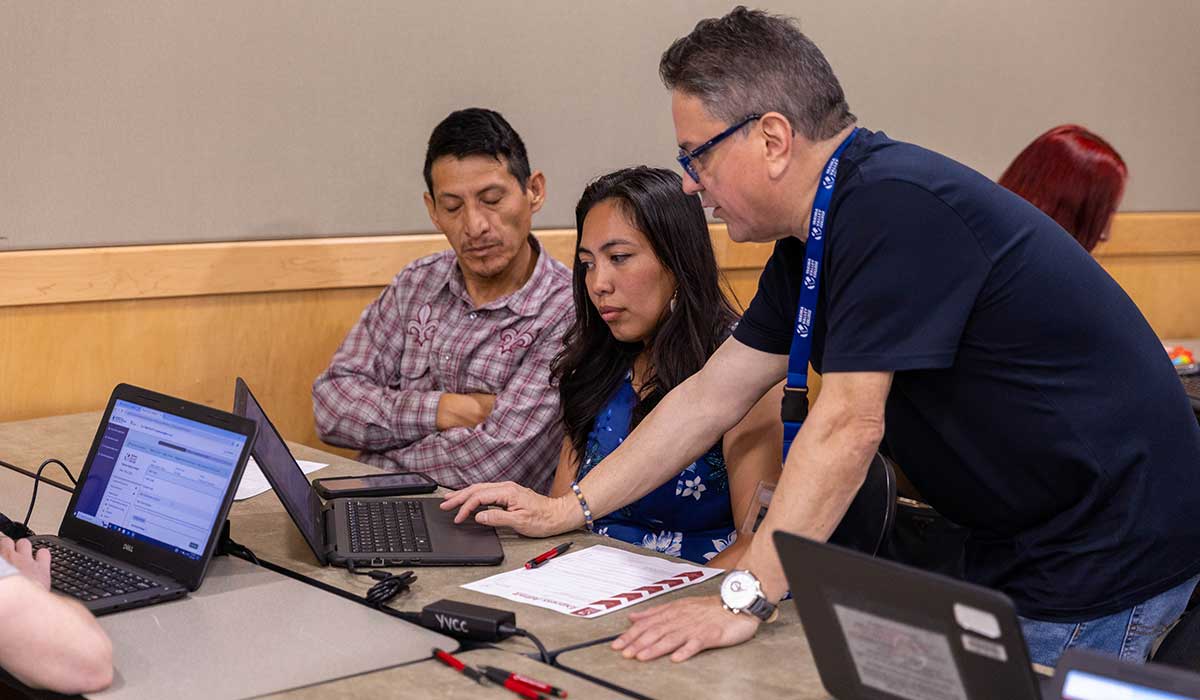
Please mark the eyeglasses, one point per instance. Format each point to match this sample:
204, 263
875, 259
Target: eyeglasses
685, 158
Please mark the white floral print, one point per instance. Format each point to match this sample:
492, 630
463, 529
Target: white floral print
666, 542
720, 545
690, 487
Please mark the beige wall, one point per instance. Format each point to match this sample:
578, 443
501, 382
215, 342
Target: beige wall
165, 120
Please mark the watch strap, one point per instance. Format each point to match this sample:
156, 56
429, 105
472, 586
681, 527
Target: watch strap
762, 609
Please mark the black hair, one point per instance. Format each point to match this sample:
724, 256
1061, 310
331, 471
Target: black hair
752, 62
593, 362
477, 132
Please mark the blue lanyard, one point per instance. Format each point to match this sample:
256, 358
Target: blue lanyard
795, 393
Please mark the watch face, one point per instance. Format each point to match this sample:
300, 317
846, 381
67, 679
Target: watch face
739, 590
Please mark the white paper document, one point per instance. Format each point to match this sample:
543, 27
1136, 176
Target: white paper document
594, 581
254, 483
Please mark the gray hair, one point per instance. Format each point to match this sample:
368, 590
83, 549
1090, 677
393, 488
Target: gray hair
752, 62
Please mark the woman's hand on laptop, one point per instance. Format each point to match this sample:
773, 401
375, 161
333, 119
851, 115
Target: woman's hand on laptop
20, 555
524, 510
683, 628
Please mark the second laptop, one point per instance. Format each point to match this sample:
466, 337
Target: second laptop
364, 531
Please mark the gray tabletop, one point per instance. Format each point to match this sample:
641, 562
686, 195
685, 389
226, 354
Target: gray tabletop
777, 663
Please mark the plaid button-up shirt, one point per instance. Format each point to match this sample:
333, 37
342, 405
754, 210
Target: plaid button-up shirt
423, 337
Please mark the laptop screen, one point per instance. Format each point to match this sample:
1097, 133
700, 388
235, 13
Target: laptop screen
1081, 685
159, 478
280, 467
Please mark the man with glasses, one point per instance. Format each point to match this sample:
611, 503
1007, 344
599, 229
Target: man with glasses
1025, 395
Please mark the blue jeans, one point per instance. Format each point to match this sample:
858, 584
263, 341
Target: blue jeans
1129, 634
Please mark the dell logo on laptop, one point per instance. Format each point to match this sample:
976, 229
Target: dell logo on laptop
127, 547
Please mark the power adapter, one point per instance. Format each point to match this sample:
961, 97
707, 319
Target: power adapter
466, 621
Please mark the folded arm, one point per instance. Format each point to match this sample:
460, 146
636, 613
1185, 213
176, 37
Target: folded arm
517, 441
357, 400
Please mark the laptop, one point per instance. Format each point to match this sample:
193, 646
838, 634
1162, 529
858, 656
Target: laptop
388, 531
153, 495
884, 631
1086, 675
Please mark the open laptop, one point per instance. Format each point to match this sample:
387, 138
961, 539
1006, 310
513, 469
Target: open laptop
884, 631
391, 531
153, 494
1086, 675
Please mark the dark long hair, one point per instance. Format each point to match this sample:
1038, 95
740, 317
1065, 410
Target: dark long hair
593, 363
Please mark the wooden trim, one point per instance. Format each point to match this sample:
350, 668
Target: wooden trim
1153, 233
36, 277
199, 269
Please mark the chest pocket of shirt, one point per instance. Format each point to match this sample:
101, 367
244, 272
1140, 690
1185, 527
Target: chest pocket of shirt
414, 365
491, 365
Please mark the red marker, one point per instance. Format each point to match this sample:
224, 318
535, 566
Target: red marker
457, 665
499, 674
520, 689
547, 556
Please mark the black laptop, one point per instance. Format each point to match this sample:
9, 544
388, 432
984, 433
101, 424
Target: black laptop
389, 531
879, 630
150, 502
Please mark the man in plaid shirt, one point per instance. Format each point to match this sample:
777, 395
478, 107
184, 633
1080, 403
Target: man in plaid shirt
448, 372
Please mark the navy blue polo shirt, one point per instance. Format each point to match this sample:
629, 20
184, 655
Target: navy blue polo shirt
1031, 401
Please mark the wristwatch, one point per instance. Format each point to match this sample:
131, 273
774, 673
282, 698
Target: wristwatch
741, 592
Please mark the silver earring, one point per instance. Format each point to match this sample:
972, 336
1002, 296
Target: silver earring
674, 298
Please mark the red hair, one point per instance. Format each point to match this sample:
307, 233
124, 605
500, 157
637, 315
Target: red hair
1074, 176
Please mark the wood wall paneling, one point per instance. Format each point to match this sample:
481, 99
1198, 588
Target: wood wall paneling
188, 319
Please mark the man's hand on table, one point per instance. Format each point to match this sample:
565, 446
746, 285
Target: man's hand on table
524, 510
20, 555
683, 628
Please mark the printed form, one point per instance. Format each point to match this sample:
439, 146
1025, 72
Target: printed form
593, 581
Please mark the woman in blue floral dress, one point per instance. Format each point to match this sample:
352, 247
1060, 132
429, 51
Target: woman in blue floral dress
649, 310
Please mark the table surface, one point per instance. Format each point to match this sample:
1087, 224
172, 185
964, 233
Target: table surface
776, 663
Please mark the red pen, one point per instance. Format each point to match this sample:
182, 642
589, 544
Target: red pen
498, 674
520, 689
547, 556
457, 665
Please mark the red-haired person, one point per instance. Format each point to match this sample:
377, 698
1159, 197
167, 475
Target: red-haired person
1074, 176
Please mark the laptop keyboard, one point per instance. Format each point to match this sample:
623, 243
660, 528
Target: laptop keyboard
82, 576
387, 526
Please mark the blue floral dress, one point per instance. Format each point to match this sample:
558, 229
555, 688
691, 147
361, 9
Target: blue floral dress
689, 516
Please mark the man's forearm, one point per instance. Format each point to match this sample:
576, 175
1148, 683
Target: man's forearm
824, 470
61, 646
353, 412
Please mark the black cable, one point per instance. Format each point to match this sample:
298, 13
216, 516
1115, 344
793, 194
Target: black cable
229, 546
37, 479
26, 472
517, 631
389, 585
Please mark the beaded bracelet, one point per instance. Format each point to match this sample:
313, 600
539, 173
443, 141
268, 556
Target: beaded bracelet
587, 511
